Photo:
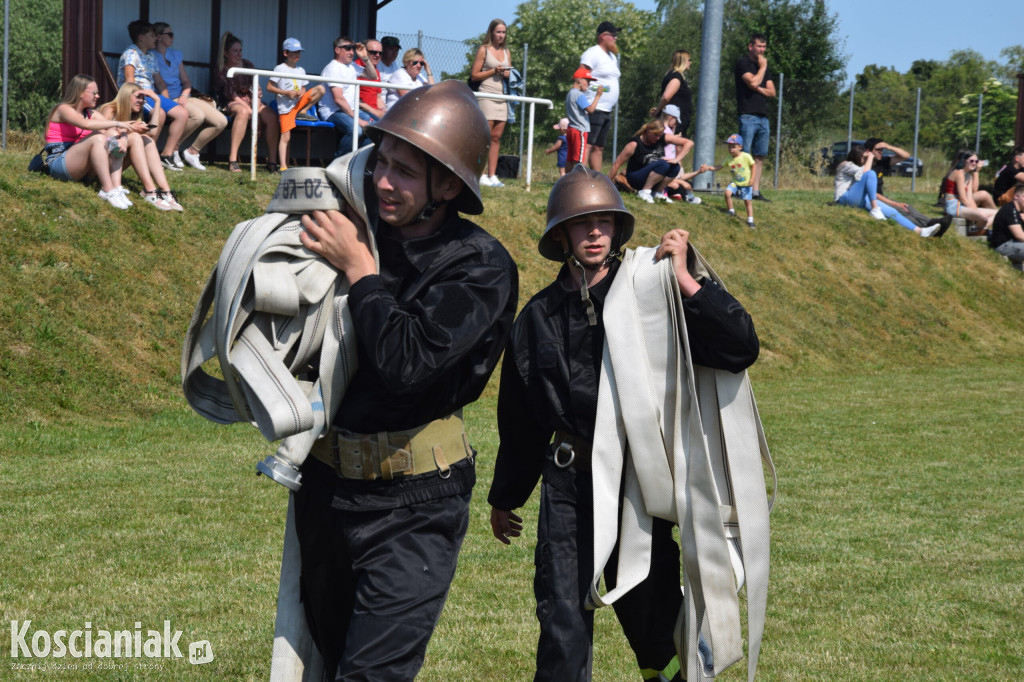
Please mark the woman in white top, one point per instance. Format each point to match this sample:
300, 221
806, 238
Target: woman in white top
491, 69
414, 71
856, 185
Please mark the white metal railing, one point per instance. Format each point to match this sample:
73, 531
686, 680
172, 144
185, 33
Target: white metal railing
256, 73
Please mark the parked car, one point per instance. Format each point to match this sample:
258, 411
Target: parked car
906, 167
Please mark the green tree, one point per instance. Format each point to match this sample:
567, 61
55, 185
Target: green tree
999, 109
34, 78
1013, 57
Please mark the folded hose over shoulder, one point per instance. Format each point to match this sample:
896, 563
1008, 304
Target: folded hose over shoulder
273, 310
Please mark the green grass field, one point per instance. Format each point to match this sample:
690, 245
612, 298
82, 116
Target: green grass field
889, 385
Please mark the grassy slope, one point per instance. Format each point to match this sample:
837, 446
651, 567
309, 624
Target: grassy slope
133, 508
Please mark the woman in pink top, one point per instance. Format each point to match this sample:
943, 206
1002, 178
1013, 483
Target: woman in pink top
75, 150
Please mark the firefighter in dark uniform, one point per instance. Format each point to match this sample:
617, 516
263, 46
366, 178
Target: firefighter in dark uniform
385, 502
548, 397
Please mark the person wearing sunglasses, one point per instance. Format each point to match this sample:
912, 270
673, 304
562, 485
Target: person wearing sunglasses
202, 113
371, 100
961, 196
415, 71
339, 105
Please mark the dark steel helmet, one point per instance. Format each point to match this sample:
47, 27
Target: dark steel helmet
577, 193
444, 121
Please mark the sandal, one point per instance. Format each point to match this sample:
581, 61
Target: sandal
233, 167
172, 201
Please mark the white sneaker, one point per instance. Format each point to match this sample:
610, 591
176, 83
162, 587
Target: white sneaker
157, 201
930, 230
645, 195
177, 160
664, 197
877, 214
693, 199
495, 182
115, 199
192, 160
168, 163
123, 191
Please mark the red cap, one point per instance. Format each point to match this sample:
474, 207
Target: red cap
583, 72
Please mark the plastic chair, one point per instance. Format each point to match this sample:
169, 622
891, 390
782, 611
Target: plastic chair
307, 126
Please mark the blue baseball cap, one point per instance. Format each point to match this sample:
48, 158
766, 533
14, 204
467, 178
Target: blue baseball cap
291, 45
735, 138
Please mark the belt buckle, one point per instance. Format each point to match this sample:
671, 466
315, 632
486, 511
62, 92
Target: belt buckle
568, 449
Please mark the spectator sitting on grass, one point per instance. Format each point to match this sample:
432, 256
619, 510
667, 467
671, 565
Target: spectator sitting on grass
1009, 176
75, 152
1007, 235
646, 167
883, 166
960, 193
142, 153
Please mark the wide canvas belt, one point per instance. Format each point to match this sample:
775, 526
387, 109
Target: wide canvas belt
386, 455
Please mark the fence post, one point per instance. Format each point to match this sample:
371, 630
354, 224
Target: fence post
917, 128
849, 126
419, 40
7, 58
977, 135
255, 116
522, 105
778, 130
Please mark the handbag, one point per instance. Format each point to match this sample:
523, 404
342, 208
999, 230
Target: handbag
38, 165
473, 85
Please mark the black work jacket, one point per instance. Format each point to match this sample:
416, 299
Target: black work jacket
430, 328
550, 374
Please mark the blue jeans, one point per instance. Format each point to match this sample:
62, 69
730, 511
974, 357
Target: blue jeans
865, 191
755, 133
343, 125
662, 167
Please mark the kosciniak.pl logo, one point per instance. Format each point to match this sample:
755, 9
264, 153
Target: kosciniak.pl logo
89, 643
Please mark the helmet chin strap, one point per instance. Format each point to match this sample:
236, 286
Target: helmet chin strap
431, 206
588, 304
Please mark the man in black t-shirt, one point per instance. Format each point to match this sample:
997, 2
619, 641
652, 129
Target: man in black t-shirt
1008, 176
883, 167
1007, 235
753, 88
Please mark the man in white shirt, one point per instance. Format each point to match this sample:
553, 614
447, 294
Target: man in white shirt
389, 61
339, 106
603, 61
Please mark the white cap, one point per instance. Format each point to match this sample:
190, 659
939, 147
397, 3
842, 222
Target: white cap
671, 110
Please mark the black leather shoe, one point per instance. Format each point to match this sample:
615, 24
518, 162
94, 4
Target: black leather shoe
761, 197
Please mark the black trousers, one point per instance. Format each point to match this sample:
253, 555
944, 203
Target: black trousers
564, 566
373, 583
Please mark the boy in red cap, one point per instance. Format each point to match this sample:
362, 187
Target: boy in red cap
578, 107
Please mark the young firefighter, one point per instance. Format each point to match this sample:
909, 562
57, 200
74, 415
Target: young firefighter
578, 107
293, 99
740, 167
384, 504
548, 397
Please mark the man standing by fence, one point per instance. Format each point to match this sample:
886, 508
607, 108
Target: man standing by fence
603, 63
753, 88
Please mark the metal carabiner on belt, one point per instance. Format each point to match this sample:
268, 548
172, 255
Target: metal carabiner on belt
566, 448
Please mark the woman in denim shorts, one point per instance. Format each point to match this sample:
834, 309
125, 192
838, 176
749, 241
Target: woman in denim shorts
80, 145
